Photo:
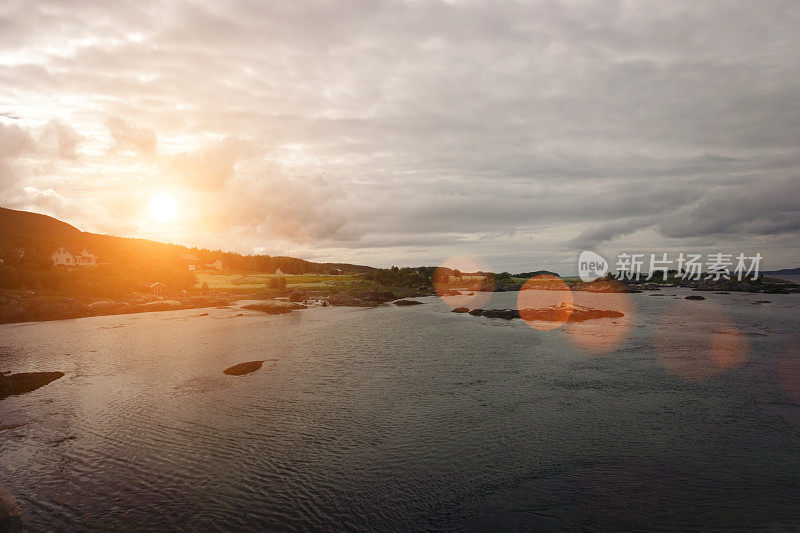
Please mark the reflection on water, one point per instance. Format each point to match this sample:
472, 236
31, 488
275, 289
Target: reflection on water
408, 418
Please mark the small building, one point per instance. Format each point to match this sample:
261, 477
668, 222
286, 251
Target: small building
337, 272
190, 262
71, 258
156, 288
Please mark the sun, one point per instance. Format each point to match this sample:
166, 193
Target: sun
163, 208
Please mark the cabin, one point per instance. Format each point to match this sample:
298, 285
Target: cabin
63, 256
190, 262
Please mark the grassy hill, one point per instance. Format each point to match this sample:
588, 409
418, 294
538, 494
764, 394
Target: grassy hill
124, 262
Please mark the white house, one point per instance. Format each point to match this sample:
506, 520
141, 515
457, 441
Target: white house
66, 257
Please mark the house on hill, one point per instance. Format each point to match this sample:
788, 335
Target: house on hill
66, 257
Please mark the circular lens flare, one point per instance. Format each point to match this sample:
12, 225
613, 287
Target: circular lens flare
163, 208
697, 340
545, 302
605, 334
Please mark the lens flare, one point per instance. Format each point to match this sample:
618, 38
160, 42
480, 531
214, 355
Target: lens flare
464, 281
697, 340
545, 302
603, 335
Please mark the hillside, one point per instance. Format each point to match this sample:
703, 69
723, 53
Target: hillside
39, 235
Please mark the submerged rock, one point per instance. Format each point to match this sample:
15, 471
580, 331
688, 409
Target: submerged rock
243, 368
13, 384
407, 302
695, 297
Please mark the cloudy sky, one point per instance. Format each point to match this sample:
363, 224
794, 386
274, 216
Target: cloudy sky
517, 133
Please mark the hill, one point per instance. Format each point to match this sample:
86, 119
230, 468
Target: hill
27, 240
783, 272
39, 235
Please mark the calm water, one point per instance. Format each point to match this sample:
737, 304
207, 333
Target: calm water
410, 418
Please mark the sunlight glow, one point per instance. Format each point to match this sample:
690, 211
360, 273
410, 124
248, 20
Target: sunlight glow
163, 208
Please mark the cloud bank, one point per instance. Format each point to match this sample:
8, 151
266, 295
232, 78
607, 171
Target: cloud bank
407, 132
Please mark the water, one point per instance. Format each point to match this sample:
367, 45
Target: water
409, 418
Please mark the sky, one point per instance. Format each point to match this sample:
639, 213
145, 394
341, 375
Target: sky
406, 133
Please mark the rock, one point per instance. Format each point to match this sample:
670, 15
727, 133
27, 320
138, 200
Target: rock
362, 299
721, 293
603, 285
407, 302
492, 313
509, 314
651, 286
271, 307
13, 384
101, 305
162, 305
243, 368
203, 314
695, 297
10, 512
561, 313
476, 312
298, 296
460, 310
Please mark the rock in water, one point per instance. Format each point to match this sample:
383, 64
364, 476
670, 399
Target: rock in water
460, 310
695, 297
270, 307
12, 384
407, 302
243, 368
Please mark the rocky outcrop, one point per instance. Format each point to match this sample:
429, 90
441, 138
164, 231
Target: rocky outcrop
14, 384
243, 368
603, 285
362, 299
23, 306
556, 313
407, 302
274, 307
298, 296
460, 310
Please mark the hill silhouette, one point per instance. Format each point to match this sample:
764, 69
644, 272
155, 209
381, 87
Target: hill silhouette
27, 241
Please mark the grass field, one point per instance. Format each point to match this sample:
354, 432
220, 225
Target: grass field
250, 281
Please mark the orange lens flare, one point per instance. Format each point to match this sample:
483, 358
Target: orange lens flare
545, 302
464, 282
697, 340
603, 335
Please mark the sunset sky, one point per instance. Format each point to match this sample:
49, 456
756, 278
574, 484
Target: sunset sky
405, 133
